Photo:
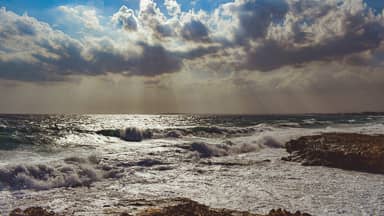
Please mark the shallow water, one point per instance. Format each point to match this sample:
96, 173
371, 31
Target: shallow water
222, 161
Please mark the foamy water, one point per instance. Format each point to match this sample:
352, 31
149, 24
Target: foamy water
64, 163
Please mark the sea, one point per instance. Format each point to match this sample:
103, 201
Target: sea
96, 164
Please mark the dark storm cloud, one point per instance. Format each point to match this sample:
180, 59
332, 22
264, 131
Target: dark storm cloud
164, 30
198, 52
255, 16
156, 60
272, 55
195, 30
274, 34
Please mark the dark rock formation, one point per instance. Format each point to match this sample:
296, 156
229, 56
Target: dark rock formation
165, 207
33, 211
149, 162
187, 207
341, 150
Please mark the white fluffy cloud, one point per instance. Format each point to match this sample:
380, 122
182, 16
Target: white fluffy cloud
82, 14
125, 18
173, 7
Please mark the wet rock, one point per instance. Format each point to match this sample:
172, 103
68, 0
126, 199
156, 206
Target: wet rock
149, 162
187, 207
280, 212
341, 150
163, 207
33, 211
184, 207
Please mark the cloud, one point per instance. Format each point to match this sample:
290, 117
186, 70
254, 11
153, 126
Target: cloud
125, 18
32, 51
243, 35
274, 34
84, 15
194, 30
173, 7
332, 31
255, 17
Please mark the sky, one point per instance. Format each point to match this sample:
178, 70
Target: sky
200, 56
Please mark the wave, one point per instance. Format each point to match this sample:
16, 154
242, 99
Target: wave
15, 137
135, 134
207, 150
132, 134
72, 172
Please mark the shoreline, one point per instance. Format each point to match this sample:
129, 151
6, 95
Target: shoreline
165, 207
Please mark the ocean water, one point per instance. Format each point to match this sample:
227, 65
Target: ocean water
95, 164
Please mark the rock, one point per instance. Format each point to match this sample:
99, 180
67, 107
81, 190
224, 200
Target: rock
187, 207
164, 207
280, 212
33, 211
341, 150
149, 162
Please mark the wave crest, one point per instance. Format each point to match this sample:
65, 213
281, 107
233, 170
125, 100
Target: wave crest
207, 150
135, 134
73, 173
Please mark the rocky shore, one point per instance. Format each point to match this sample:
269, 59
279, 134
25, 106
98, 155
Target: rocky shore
340, 150
166, 207
186, 207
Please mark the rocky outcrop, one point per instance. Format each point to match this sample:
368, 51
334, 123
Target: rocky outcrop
166, 207
33, 211
187, 207
341, 150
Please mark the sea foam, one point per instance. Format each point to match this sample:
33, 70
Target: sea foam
73, 172
135, 134
206, 150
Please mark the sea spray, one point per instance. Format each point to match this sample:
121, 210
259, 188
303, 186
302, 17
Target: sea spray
73, 172
207, 150
135, 134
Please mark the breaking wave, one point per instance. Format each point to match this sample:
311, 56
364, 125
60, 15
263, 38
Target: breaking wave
135, 134
207, 150
73, 172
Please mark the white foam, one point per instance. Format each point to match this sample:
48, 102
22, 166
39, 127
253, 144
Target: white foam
73, 172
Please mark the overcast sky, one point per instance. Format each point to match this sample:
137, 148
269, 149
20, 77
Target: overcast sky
201, 56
